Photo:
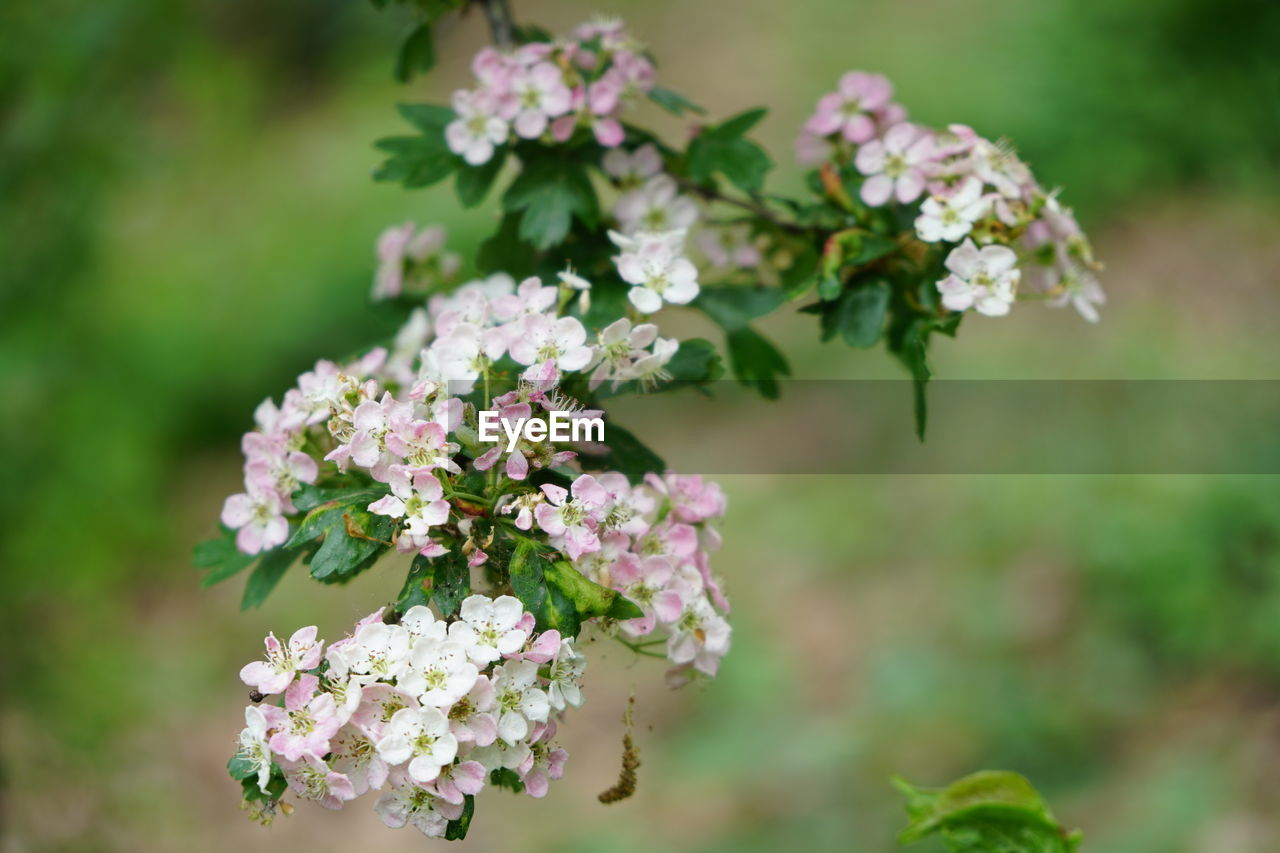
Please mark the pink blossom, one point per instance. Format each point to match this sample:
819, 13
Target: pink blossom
311, 779
544, 762
306, 722
647, 582
256, 515
573, 519
471, 718
543, 339
895, 165
276, 673
850, 110
478, 127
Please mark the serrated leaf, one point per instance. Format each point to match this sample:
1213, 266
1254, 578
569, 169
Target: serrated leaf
551, 189
221, 557
996, 811
353, 536
474, 182
695, 361
858, 315
431, 119
756, 362
673, 102
723, 149
241, 768
415, 161
417, 54
590, 599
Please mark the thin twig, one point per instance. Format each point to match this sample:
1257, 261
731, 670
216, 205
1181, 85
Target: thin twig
501, 26
757, 209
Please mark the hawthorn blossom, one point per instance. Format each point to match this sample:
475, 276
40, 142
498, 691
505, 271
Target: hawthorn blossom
1080, 289
544, 762
700, 636
895, 165
456, 781
573, 519
477, 129
949, 218
693, 499
422, 445
648, 583
256, 516
654, 207
438, 673
489, 628
619, 346
657, 268
305, 723
355, 755
537, 96
379, 702
983, 279
409, 803
419, 503
378, 652
630, 169
564, 675
420, 737
850, 110
996, 164
276, 673
542, 339
311, 779
253, 744
520, 701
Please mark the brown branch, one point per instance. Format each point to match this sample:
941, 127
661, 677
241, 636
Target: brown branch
501, 25
758, 209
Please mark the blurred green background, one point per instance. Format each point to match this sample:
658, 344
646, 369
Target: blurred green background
188, 221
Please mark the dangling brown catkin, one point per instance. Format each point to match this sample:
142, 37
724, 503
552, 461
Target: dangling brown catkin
630, 761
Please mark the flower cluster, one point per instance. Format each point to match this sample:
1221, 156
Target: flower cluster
547, 89
973, 194
426, 711
396, 415
657, 559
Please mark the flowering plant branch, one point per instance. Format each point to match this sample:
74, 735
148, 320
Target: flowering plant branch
519, 552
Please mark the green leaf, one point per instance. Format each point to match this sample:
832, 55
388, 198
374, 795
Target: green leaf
417, 54
696, 361
590, 599
723, 149
733, 307
995, 811
431, 119
473, 182
505, 778
276, 786
673, 102
527, 570
558, 595
551, 189
266, 575
221, 557
415, 161
756, 362
858, 315
909, 342
353, 536
450, 578
626, 454
456, 830
241, 768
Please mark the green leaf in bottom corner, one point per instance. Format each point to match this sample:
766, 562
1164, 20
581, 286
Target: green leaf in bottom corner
992, 811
